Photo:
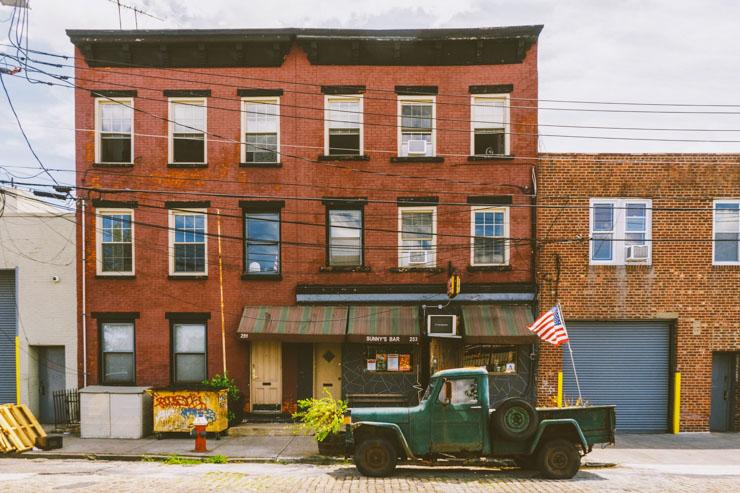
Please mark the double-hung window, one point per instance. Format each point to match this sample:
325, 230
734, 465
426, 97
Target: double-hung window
187, 130
417, 237
117, 353
189, 353
262, 242
489, 236
727, 232
114, 131
416, 127
115, 241
188, 247
343, 125
490, 125
261, 130
345, 237
620, 231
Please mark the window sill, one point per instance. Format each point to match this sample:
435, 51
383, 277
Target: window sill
631, 265
262, 277
187, 277
113, 165
349, 268
403, 270
726, 266
495, 157
345, 157
115, 276
187, 165
261, 165
488, 268
417, 159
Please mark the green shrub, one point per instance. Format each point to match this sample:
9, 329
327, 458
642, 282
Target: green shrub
233, 393
322, 416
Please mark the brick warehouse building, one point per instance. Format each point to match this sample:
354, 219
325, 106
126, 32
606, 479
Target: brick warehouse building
665, 300
347, 171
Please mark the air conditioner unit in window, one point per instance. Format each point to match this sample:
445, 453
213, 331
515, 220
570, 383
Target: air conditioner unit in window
442, 326
417, 147
418, 257
637, 253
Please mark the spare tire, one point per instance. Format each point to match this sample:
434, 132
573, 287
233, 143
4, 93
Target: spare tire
515, 419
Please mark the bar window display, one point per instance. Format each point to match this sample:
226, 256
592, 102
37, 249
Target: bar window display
498, 360
389, 359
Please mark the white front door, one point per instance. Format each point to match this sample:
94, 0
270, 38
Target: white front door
267, 375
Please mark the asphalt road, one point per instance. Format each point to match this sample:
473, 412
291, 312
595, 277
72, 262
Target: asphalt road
41, 475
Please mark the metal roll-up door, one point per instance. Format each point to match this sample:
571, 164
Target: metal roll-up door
625, 364
7, 336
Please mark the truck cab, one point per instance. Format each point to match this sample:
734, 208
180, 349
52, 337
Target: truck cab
454, 419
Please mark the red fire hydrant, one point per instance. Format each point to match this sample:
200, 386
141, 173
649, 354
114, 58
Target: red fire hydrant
199, 431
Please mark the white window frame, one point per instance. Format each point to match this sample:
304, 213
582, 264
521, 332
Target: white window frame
714, 230
399, 120
266, 100
129, 102
618, 236
171, 240
171, 128
433, 248
99, 213
361, 100
506, 98
507, 243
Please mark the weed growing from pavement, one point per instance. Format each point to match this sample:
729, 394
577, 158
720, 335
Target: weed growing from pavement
177, 460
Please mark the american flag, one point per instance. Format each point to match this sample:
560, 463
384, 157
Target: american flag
550, 327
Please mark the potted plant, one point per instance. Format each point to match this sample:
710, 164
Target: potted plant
324, 418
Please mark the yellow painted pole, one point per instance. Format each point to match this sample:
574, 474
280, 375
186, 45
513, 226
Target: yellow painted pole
560, 389
17, 371
677, 402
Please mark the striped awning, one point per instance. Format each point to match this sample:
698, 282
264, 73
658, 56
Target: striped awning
498, 324
294, 323
383, 324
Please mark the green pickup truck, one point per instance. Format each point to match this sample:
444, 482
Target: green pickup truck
455, 420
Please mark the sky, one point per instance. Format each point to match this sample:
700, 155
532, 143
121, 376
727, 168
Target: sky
637, 51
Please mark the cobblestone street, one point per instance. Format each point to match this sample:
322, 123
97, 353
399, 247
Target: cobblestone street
39, 475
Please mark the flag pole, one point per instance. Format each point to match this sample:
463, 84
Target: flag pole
570, 350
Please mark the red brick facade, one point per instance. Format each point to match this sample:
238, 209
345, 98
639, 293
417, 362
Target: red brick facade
681, 285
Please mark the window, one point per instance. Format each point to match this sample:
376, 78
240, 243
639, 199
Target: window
726, 231
464, 392
115, 245
389, 358
620, 231
496, 359
417, 237
490, 230
262, 242
187, 242
416, 133
115, 121
117, 349
343, 125
345, 237
490, 125
189, 353
261, 129
188, 131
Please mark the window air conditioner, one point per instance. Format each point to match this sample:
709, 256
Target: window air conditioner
442, 326
637, 253
418, 257
417, 147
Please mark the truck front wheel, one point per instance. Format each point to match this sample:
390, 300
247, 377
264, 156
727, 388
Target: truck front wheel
375, 457
558, 459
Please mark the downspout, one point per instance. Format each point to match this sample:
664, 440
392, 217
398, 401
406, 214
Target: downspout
84, 298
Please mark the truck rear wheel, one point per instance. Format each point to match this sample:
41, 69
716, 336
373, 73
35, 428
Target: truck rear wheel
515, 420
558, 459
376, 457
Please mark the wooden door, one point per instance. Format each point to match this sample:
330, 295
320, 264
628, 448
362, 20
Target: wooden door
327, 370
444, 354
266, 385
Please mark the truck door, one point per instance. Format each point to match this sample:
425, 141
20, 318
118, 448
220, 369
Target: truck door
458, 425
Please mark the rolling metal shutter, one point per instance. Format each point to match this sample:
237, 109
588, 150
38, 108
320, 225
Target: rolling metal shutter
624, 364
7, 336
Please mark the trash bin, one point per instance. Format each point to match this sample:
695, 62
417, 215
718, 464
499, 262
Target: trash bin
174, 410
115, 412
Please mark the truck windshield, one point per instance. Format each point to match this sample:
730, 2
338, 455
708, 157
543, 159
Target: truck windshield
428, 391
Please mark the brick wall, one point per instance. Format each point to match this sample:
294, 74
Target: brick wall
681, 285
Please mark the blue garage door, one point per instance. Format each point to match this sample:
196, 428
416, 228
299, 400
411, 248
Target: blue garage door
7, 336
624, 364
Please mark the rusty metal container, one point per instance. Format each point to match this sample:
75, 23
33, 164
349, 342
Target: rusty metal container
175, 410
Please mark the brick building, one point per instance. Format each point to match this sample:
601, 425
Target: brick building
347, 172
646, 288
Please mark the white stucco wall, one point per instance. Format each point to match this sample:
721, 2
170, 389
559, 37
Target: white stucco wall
38, 242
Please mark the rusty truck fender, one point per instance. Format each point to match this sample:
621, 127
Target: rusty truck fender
569, 422
388, 426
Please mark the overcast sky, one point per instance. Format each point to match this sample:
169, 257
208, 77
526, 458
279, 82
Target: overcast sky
643, 51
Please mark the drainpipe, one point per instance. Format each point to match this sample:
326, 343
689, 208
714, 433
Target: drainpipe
84, 298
